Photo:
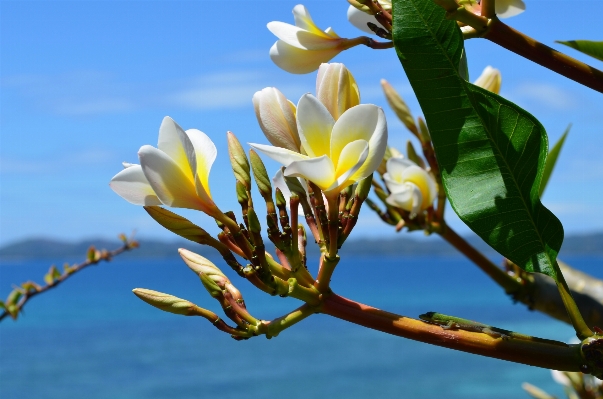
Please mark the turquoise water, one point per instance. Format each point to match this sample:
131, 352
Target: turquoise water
92, 338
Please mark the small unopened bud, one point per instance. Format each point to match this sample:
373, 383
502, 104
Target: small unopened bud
261, 176
238, 160
199, 264
166, 302
254, 222
242, 196
280, 199
413, 156
359, 4
210, 285
490, 79
398, 105
363, 188
424, 131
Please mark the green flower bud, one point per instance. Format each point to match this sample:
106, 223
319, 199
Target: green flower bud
166, 302
399, 106
238, 160
261, 176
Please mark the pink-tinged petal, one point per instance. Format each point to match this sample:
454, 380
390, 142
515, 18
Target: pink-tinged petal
172, 185
276, 117
352, 157
360, 19
132, 185
362, 122
320, 171
281, 155
407, 197
298, 61
509, 8
174, 142
314, 125
205, 154
302, 38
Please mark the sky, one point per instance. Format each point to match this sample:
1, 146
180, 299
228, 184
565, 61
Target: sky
84, 84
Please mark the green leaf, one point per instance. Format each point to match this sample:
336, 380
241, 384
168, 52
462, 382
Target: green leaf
177, 224
551, 160
588, 47
491, 152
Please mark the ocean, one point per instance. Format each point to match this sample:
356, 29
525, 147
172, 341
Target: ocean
92, 338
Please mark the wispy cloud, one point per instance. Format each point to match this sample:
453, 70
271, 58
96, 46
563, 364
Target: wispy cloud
546, 94
74, 93
83, 159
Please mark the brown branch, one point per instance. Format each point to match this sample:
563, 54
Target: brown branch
535, 352
525, 46
102, 256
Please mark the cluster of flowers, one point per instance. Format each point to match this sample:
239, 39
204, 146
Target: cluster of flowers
302, 47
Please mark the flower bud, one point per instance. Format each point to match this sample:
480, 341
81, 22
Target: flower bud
261, 176
490, 79
166, 302
238, 160
398, 105
363, 188
199, 264
336, 88
276, 116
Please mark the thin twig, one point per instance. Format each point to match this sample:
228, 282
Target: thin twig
103, 256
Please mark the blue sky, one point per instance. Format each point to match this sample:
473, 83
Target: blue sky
85, 84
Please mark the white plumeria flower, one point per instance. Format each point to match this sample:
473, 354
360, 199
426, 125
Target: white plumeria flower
276, 116
336, 88
302, 47
490, 79
279, 182
174, 174
411, 187
339, 153
360, 19
561, 378
509, 8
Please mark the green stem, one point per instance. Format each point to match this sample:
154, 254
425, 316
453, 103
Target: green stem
277, 325
582, 330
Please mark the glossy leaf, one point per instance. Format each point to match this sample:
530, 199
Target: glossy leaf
491, 152
594, 49
551, 160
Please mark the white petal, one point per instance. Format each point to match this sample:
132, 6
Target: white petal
303, 20
295, 60
281, 155
509, 8
301, 38
132, 185
360, 19
276, 117
336, 88
395, 166
362, 122
423, 180
408, 198
279, 182
174, 142
171, 184
352, 157
320, 171
314, 125
205, 154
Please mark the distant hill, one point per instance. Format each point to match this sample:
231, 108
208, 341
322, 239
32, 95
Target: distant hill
401, 244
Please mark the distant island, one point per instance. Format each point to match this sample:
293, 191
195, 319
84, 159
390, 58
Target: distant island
401, 245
